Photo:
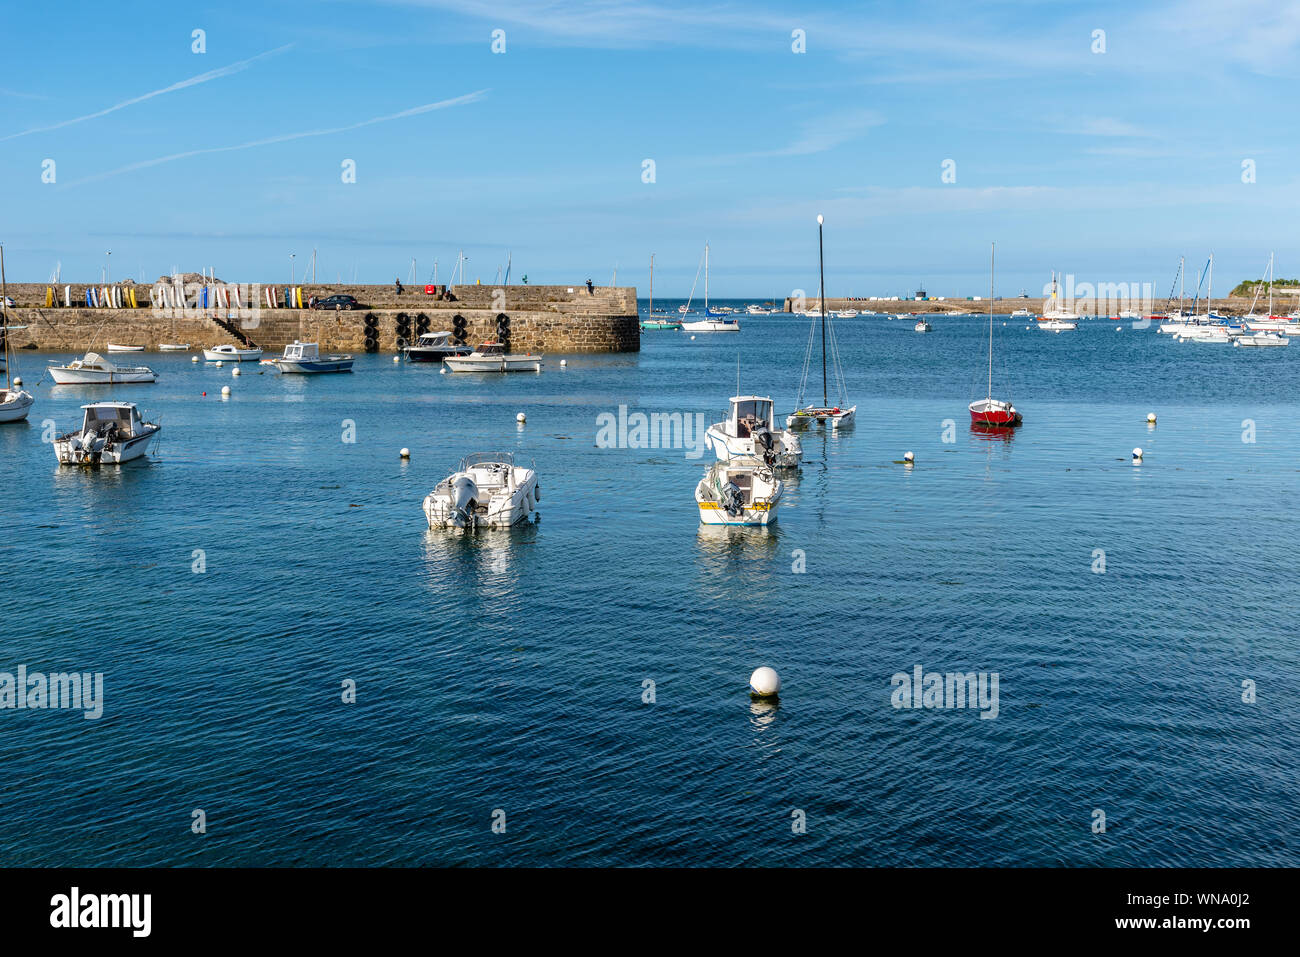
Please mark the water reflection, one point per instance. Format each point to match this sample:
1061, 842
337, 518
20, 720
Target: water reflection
762, 713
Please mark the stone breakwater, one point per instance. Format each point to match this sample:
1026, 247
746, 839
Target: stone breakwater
554, 319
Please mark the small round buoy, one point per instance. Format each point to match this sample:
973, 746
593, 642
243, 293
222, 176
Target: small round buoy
442, 371
764, 683
194, 358
405, 453
225, 390
564, 362
692, 338
18, 380
205, 393
1119, 328
521, 418
235, 371
1151, 418
1137, 455
220, 363
909, 458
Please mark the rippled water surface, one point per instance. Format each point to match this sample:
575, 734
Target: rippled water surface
505, 671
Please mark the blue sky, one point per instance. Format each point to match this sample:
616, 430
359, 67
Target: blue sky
1105, 165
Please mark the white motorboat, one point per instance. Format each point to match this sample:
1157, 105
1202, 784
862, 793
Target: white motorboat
115, 347
1270, 339
1057, 324
434, 347
756, 310
488, 490
305, 357
922, 326
111, 433
1022, 314
94, 369
838, 416
174, 347
749, 431
492, 357
232, 353
738, 492
1209, 335
846, 314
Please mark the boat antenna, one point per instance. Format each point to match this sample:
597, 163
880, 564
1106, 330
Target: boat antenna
821, 292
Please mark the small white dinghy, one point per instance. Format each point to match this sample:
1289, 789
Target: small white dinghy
749, 431
487, 490
94, 369
174, 347
115, 347
111, 433
1272, 339
232, 353
738, 492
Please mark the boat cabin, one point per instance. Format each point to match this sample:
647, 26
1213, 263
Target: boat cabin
301, 350
491, 349
433, 339
104, 417
749, 412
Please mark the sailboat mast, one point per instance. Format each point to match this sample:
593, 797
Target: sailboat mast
1209, 290
821, 291
706, 279
1270, 285
4, 319
992, 250
652, 286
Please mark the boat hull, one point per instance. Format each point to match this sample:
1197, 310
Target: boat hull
992, 414
711, 513
458, 502
235, 355
712, 325
420, 354
836, 419
68, 452
494, 363
323, 364
14, 406
62, 375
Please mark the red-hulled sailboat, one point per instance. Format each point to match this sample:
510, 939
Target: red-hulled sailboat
988, 412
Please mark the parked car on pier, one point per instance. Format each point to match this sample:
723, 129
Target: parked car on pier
337, 302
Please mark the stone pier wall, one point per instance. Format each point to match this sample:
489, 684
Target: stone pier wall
546, 319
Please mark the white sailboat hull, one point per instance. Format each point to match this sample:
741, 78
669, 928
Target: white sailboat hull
15, 404
63, 375
712, 325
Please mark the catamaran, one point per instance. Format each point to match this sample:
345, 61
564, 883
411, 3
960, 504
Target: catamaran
988, 412
839, 416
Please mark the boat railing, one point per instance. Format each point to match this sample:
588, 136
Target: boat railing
481, 458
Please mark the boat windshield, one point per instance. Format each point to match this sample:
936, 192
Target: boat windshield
750, 414
481, 458
100, 417
491, 349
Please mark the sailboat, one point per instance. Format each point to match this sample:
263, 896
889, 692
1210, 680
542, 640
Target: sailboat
838, 417
988, 412
650, 322
711, 321
1056, 319
14, 402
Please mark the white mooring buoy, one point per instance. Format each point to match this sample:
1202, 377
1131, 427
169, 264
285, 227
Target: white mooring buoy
18, 380
764, 683
220, 363
692, 338
225, 390
909, 458
405, 453
235, 371
1137, 456
521, 418
1151, 418
194, 358
563, 363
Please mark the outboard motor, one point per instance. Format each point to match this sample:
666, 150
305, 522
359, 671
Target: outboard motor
764, 441
463, 495
733, 501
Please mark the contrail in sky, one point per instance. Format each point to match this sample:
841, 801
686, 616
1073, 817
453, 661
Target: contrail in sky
413, 111
192, 81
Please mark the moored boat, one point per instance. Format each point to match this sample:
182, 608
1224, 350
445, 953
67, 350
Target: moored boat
434, 347
922, 326
94, 369
988, 412
174, 347
488, 490
111, 433
305, 357
749, 431
492, 357
232, 353
838, 416
14, 401
1262, 339
738, 492
115, 347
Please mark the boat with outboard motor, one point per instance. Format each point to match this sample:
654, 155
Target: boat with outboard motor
749, 431
305, 357
111, 433
738, 492
492, 357
229, 352
488, 490
434, 347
